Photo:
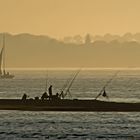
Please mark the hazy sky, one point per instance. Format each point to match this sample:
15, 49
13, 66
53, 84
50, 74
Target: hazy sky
60, 18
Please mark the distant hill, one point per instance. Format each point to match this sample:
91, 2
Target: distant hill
26, 50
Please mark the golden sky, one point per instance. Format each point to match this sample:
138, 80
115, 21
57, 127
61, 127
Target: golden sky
59, 18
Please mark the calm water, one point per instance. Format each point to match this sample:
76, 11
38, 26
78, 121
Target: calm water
72, 125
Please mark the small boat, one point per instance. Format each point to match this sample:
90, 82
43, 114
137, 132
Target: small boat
57, 102
3, 73
67, 105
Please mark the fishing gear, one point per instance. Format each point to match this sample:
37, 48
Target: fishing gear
107, 83
62, 94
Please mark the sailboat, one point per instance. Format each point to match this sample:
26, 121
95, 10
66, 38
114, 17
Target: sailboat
3, 73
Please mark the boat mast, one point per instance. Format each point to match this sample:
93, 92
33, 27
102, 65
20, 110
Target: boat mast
1, 53
4, 54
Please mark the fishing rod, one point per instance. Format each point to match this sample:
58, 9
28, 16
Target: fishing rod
107, 83
70, 84
66, 83
46, 85
64, 87
130, 84
68, 89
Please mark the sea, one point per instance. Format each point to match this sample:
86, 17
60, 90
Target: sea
121, 86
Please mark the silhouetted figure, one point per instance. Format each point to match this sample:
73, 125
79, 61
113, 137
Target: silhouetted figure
104, 94
54, 97
61, 94
44, 96
24, 97
4, 73
36, 98
57, 94
50, 91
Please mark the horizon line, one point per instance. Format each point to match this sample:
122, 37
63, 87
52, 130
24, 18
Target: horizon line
75, 68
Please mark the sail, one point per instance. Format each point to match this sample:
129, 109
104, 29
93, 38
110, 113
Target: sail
1, 54
3, 73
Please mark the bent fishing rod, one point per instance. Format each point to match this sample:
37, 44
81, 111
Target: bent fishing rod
107, 83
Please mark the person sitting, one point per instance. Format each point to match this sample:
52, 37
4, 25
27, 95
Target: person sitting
24, 97
44, 96
37, 98
57, 95
104, 94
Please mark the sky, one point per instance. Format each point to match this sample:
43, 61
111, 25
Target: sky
59, 18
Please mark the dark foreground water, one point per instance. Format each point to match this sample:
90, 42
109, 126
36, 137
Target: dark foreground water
18, 125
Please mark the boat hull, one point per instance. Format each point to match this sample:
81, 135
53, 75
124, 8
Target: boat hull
7, 76
67, 105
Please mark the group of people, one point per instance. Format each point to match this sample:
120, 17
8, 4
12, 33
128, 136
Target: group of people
45, 95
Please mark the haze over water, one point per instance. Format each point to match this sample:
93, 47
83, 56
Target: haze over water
72, 125
71, 33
